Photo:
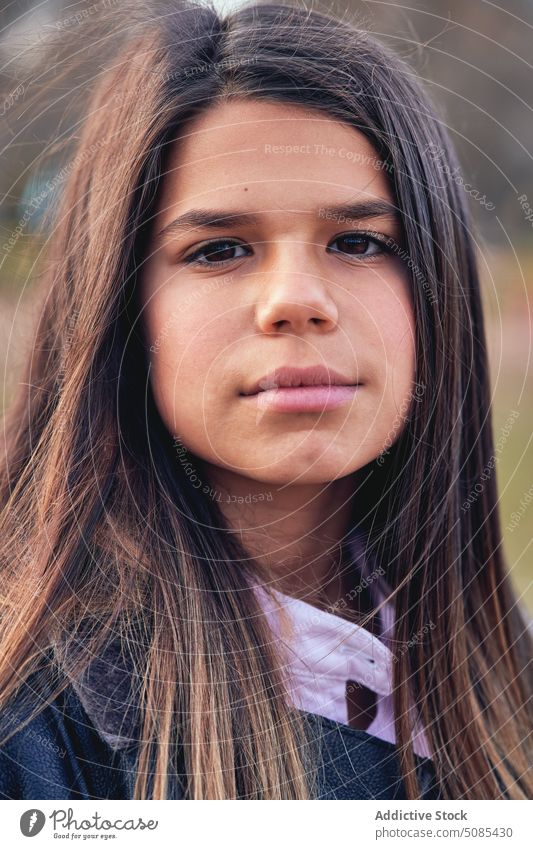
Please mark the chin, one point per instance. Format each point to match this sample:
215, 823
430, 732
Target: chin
302, 471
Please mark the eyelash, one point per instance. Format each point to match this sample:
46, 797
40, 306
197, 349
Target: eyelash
380, 241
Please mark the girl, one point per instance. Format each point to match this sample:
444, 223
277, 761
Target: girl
237, 556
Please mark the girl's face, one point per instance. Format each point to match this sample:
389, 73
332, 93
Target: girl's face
283, 284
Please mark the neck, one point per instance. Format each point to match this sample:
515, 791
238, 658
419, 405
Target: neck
294, 533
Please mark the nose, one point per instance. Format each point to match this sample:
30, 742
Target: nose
296, 300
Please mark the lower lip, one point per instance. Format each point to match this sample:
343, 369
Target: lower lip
304, 399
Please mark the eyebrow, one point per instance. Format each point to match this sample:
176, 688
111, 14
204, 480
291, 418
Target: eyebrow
218, 219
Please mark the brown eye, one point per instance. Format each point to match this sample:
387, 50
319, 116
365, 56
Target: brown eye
359, 245
215, 253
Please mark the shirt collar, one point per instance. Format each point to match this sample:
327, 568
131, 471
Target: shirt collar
328, 646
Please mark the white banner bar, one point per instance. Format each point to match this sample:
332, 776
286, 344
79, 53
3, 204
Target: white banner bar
272, 825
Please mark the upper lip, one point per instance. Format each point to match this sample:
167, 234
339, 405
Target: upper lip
289, 376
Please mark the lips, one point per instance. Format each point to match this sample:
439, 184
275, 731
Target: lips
315, 389
290, 377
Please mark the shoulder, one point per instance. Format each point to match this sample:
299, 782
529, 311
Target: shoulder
56, 754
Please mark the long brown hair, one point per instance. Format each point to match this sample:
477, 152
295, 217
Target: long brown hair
100, 527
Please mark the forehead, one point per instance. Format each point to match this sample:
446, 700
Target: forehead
273, 153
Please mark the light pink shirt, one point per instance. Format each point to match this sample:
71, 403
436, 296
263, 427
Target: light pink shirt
322, 651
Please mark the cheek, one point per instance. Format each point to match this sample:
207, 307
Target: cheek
186, 350
398, 363
384, 333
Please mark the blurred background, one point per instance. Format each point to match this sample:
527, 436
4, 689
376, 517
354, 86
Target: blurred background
475, 59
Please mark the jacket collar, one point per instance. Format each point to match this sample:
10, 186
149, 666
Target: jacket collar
107, 690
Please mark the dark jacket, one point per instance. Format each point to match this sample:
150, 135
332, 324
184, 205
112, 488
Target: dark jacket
83, 746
